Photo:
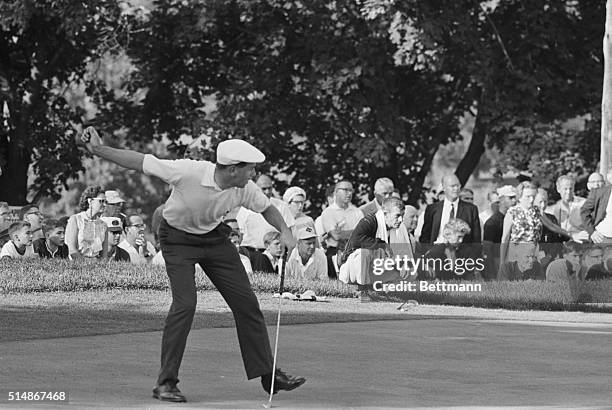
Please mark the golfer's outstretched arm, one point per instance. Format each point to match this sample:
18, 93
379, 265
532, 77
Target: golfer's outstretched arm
274, 218
122, 157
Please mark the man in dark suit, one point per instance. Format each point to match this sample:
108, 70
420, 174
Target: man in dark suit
439, 213
596, 221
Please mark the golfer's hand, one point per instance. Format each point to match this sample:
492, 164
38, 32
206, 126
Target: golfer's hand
90, 139
597, 237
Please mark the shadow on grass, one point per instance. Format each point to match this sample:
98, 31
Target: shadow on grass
30, 323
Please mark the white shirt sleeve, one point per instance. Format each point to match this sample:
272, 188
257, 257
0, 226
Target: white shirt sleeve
254, 199
8, 250
169, 171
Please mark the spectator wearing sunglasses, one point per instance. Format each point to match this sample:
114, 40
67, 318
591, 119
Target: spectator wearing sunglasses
140, 250
86, 233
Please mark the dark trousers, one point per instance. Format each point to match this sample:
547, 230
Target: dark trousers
221, 262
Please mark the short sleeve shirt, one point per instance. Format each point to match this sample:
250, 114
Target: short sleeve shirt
197, 204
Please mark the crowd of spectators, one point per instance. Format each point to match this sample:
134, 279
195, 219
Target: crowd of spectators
519, 236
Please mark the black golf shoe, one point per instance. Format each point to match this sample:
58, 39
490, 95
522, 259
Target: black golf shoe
282, 381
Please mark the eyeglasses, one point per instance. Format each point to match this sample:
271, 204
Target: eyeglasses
139, 226
101, 200
349, 190
297, 202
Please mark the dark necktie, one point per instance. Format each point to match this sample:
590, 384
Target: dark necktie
452, 212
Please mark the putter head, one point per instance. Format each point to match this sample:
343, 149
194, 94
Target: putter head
267, 405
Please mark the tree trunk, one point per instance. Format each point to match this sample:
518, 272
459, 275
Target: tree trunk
472, 156
606, 107
14, 179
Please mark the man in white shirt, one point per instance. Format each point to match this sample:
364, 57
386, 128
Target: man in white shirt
140, 250
567, 209
307, 261
253, 225
338, 221
192, 232
383, 188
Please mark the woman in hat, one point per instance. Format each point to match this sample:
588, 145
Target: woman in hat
295, 197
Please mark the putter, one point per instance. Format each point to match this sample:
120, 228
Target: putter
281, 267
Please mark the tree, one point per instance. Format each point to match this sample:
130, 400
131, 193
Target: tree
44, 47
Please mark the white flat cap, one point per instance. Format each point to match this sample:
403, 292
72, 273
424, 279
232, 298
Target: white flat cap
235, 151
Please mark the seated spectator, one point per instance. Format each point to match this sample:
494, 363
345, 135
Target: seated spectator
114, 205
5, 222
525, 266
295, 197
411, 219
235, 237
592, 267
20, 243
567, 267
86, 233
233, 224
306, 260
267, 261
115, 229
447, 260
32, 215
140, 250
54, 245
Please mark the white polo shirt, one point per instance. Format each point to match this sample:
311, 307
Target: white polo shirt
197, 204
254, 226
315, 268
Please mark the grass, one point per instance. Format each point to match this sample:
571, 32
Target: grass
27, 276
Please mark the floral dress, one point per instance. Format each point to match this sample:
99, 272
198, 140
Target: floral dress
526, 224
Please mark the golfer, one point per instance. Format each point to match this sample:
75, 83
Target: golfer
192, 232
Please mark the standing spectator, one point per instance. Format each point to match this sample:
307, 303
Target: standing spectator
552, 234
86, 233
522, 224
20, 243
596, 217
494, 229
338, 221
451, 207
493, 199
32, 214
267, 261
140, 250
115, 229
567, 209
466, 195
295, 198
306, 260
329, 195
254, 225
383, 188
114, 205
596, 180
53, 245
